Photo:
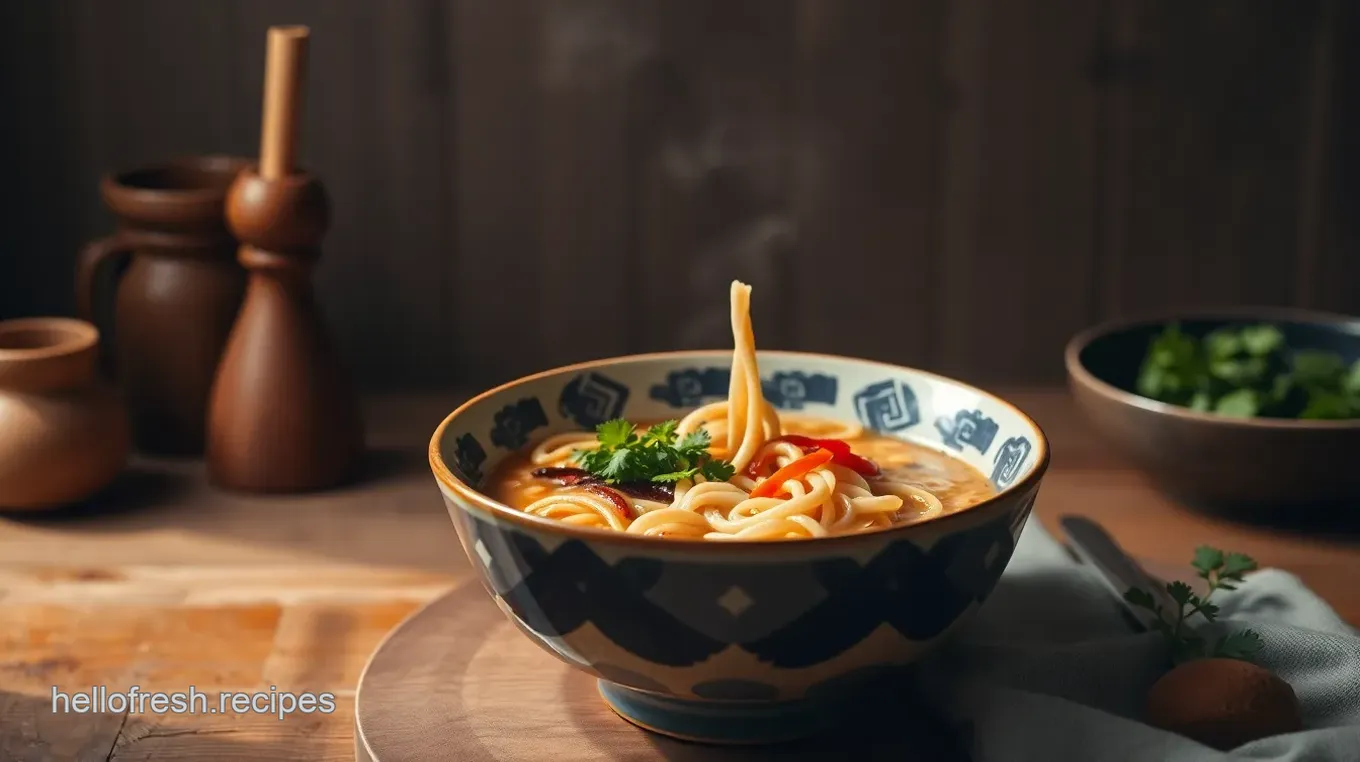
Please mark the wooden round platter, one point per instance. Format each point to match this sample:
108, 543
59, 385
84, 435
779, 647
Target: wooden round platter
458, 681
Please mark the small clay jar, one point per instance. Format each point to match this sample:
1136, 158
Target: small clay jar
63, 436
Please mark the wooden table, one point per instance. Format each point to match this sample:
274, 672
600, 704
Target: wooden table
170, 584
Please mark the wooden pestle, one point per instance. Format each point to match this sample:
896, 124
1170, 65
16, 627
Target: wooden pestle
285, 70
283, 415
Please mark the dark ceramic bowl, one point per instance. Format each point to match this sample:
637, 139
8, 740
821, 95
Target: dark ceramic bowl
1208, 460
738, 641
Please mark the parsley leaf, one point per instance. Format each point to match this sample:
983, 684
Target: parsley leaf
1239, 404
660, 434
1173, 367
1207, 560
1242, 645
1221, 570
1261, 340
1318, 368
717, 470
619, 466
614, 433
1141, 598
1323, 405
1235, 565
655, 455
1352, 382
694, 442
1180, 592
1223, 344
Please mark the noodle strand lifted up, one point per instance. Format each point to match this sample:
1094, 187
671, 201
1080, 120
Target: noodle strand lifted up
750, 420
821, 493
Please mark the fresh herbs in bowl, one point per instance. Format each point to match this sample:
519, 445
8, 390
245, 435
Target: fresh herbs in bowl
1248, 371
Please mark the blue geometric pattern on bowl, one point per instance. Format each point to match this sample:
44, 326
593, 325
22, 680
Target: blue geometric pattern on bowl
516, 421
783, 614
967, 427
888, 406
785, 390
590, 399
468, 459
968, 423
794, 390
691, 387
1009, 459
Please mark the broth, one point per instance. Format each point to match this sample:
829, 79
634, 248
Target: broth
955, 483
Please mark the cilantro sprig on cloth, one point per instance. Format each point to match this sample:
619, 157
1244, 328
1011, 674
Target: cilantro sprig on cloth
1222, 571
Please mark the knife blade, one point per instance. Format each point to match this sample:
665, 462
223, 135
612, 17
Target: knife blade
1094, 546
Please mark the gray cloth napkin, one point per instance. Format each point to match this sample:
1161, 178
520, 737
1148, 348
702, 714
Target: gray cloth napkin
1050, 670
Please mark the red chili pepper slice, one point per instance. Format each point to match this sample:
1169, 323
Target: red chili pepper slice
840, 450
771, 486
761, 465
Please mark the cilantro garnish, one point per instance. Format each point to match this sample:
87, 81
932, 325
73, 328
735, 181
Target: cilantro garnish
1246, 371
1223, 571
654, 455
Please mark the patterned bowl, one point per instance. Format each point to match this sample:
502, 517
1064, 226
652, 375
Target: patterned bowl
738, 641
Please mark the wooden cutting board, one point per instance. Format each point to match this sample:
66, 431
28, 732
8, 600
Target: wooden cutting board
457, 681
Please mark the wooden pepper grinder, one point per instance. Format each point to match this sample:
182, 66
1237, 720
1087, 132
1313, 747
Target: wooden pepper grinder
283, 415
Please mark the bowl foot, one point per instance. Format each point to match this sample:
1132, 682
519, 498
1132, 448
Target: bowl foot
720, 722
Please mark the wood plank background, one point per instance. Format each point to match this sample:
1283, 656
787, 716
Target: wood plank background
958, 185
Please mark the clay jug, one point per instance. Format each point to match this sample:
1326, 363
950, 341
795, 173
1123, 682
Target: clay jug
63, 434
165, 288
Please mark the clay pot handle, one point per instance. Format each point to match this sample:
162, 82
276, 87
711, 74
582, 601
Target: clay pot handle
98, 268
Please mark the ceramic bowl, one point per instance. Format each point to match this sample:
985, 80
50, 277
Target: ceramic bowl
1208, 460
741, 641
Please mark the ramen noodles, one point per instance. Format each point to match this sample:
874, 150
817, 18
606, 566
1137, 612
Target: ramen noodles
735, 470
